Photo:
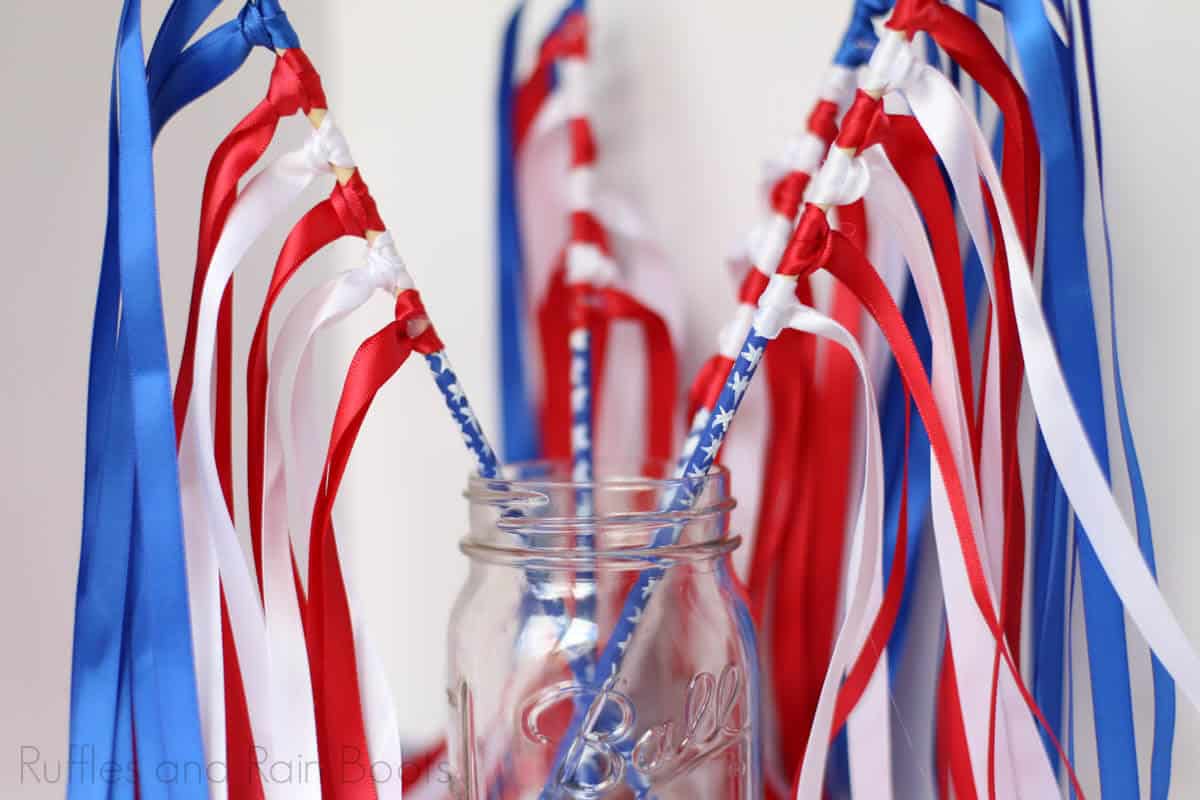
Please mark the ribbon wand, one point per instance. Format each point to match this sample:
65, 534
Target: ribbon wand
808, 249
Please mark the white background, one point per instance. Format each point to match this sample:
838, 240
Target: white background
696, 95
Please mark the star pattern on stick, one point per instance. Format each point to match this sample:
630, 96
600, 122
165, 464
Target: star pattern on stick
710, 450
468, 419
579, 437
752, 354
580, 472
579, 398
738, 384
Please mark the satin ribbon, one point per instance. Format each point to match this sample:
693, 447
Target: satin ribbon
993, 514
862, 573
520, 436
970, 48
838, 255
293, 473
910, 148
1066, 298
1164, 687
890, 194
947, 122
214, 551
128, 427
967, 45
810, 251
216, 56
328, 624
294, 85
348, 211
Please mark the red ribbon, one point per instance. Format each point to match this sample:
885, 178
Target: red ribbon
341, 735
961, 38
294, 85
915, 161
348, 211
912, 154
958, 35
815, 245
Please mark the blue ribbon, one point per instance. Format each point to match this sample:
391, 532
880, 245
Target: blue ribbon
520, 438
1164, 686
132, 663
859, 40
1066, 298
208, 62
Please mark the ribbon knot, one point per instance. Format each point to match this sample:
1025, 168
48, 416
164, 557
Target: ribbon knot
385, 268
588, 265
788, 193
865, 123
355, 208
410, 312
915, 15
822, 120
264, 24
294, 85
810, 245
843, 179
328, 145
893, 65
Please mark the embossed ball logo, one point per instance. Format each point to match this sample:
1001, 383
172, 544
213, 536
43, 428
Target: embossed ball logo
707, 724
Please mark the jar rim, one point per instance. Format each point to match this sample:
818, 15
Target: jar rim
536, 506
477, 482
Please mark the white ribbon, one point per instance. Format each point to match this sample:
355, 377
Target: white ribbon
211, 540
964, 150
973, 642
863, 566
293, 478
884, 252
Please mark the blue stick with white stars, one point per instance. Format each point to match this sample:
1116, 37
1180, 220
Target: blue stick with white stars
692, 478
488, 466
582, 661
486, 463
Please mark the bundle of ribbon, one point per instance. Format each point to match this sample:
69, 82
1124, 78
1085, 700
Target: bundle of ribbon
202, 671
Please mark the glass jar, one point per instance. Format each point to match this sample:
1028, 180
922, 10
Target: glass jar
550, 694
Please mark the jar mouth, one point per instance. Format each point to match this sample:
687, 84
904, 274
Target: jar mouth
549, 559
536, 510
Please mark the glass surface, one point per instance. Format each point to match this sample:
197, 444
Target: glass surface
529, 717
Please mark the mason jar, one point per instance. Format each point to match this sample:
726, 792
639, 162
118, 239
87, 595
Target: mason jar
601, 656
